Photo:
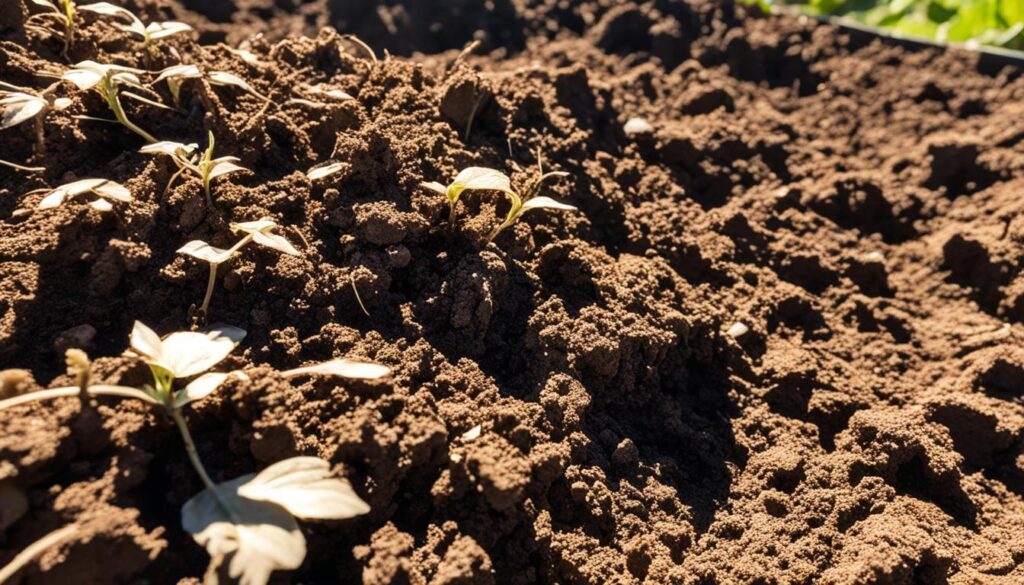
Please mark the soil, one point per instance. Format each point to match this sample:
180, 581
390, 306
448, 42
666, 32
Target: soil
854, 203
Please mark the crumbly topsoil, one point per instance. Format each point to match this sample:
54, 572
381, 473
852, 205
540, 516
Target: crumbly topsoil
858, 205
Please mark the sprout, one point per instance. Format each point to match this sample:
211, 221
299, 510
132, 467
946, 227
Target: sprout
325, 170
521, 205
473, 178
107, 80
101, 188
61, 19
19, 105
176, 74
249, 521
204, 166
259, 232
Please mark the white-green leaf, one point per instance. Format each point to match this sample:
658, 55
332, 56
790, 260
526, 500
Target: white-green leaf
326, 170
435, 187
83, 79
161, 30
344, 368
200, 250
19, 107
199, 388
224, 167
101, 205
260, 538
185, 353
225, 78
182, 71
546, 203
107, 9
275, 242
101, 187
173, 149
483, 179
304, 486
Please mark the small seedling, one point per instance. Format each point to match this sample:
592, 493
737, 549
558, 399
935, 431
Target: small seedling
470, 179
61, 19
177, 74
250, 521
325, 170
108, 80
520, 205
259, 232
101, 188
203, 166
19, 105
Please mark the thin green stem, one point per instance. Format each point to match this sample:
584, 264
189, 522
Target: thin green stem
206, 189
110, 92
451, 214
209, 288
190, 448
193, 456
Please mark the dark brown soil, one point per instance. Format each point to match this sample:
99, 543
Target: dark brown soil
857, 204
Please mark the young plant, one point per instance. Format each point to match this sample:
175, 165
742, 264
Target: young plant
202, 165
520, 205
259, 232
19, 105
101, 188
470, 179
108, 80
250, 521
177, 74
61, 19
325, 170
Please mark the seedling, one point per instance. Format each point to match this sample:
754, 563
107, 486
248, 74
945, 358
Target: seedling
108, 80
19, 105
259, 232
61, 19
177, 74
326, 170
101, 188
520, 205
250, 521
203, 166
470, 179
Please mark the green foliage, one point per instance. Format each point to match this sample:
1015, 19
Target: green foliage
997, 23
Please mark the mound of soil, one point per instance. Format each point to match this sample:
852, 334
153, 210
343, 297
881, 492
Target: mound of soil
780, 341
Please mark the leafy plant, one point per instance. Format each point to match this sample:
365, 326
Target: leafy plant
19, 105
987, 22
202, 165
148, 34
101, 188
259, 232
470, 179
531, 200
248, 521
108, 81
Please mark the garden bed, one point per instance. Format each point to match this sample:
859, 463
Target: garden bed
854, 203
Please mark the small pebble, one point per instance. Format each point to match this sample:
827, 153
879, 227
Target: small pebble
637, 126
737, 329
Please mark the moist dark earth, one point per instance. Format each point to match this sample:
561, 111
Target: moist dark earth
855, 203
